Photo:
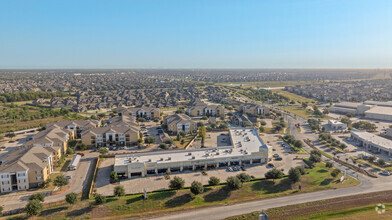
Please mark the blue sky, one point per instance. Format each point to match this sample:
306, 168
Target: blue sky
196, 34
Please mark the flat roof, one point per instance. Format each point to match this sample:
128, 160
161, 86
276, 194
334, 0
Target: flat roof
335, 122
244, 142
348, 104
380, 110
375, 139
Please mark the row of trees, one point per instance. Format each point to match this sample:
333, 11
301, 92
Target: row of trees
290, 139
29, 95
332, 141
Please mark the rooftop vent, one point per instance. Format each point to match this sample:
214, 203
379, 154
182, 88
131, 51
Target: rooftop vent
189, 153
149, 160
193, 157
169, 158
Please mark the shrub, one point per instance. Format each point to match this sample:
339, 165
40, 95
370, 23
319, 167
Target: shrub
34, 207
71, 198
213, 181
60, 181
335, 172
263, 123
177, 183
197, 188
315, 152
244, 177
37, 196
168, 141
149, 140
99, 199
234, 183
81, 146
314, 158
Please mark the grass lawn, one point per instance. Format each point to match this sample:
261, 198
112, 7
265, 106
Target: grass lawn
300, 111
186, 139
318, 178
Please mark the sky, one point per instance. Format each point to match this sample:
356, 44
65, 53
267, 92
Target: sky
196, 34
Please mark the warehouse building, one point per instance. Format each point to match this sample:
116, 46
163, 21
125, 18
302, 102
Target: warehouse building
369, 109
246, 148
372, 142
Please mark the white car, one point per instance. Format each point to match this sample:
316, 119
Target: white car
385, 173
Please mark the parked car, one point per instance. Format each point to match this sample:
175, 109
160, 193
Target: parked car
278, 158
385, 173
270, 165
276, 155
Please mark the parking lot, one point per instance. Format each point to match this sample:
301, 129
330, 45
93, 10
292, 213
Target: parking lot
156, 182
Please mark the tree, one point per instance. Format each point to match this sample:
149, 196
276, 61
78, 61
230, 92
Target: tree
381, 162
263, 123
315, 152
177, 183
244, 177
60, 181
329, 164
163, 146
371, 159
103, 150
119, 191
149, 140
314, 158
71, 198
113, 177
70, 151
81, 146
223, 126
294, 175
335, 172
234, 183
34, 207
301, 169
37, 196
197, 188
304, 105
99, 199
213, 181
169, 141
298, 144
261, 129
274, 174
247, 124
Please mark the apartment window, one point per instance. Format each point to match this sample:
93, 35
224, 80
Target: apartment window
39, 178
38, 172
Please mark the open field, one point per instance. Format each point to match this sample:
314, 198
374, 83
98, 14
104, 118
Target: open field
293, 96
20, 125
159, 202
350, 207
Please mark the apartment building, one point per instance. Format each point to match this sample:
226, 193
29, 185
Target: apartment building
112, 136
53, 139
180, 122
203, 109
25, 168
142, 112
254, 109
78, 126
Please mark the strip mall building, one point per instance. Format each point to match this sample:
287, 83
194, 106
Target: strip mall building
246, 148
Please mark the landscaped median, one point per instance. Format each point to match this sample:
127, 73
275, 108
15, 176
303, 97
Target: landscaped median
158, 202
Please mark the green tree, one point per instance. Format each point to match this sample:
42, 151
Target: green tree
33, 207
119, 191
261, 129
381, 162
234, 183
81, 146
213, 181
294, 175
329, 164
10, 135
71, 198
335, 172
60, 181
70, 151
103, 150
99, 199
197, 188
274, 174
315, 152
163, 146
177, 183
301, 169
314, 158
149, 140
244, 177
113, 177
37, 196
